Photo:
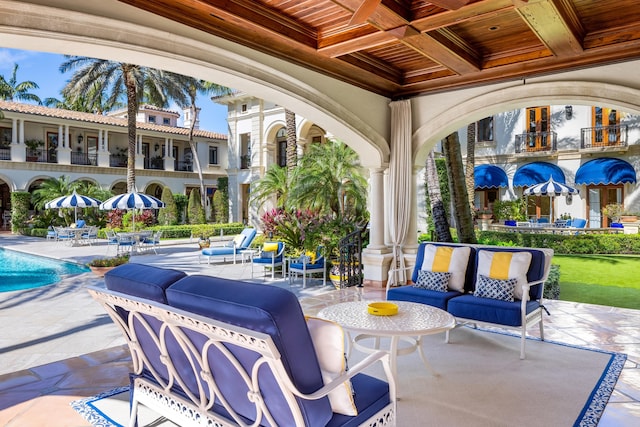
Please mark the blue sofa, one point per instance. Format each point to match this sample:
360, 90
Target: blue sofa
230, 352
468, 308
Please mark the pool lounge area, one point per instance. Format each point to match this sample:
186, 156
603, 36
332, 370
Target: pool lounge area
58, 346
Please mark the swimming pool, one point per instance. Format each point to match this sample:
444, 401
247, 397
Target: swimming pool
23, 271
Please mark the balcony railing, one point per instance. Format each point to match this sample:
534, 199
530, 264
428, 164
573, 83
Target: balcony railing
41, 156
531, 142
78, 158
154, 163
245, 162
5, 153
183, 166
118, 160
604, 136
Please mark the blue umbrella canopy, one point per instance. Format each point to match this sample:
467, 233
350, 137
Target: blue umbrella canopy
74, 200
552, 189
133, 200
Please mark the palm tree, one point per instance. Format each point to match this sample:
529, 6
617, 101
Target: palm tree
470, 164
51, 188
11, 90
438, 211
81, 103
329, 180
275, 181
458, 189
120, 80
192, 88
292, 146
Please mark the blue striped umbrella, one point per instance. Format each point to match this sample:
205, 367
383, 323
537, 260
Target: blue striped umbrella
552, 189
75, 201
133, 200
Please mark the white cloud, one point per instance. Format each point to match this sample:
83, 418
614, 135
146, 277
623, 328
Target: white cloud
10, 56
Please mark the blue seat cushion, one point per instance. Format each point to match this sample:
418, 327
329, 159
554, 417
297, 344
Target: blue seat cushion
222, 250
142, 281
370, 396
489, 310
424, 296
265, 309
268, 260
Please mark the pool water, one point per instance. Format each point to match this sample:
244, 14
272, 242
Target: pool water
23, 271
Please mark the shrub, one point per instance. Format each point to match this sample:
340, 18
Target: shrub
552, 285
568, 244
168, 215
20, 201
181, 204
196, 214
109, 262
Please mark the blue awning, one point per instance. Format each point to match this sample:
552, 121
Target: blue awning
489, 176
537, 172
605, 170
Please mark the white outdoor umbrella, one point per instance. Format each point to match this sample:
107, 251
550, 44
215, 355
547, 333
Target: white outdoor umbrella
133, 200
551, 189
75, 201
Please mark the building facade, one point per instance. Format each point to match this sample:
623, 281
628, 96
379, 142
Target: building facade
592, 148
37, 143
257, 139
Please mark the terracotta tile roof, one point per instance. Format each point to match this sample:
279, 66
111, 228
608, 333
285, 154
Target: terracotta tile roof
57, 113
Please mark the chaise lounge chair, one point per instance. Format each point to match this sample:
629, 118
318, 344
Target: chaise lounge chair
241, 242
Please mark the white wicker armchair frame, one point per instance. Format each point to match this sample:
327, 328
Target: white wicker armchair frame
162, 323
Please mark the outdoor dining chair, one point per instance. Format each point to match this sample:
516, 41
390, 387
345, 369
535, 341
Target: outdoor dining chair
271, 256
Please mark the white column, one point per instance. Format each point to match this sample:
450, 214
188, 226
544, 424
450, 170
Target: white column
14, 131
103, 153
21, 132
376, 194
64, 145
139, 156
169, 161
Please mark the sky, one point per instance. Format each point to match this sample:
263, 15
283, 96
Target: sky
43, 69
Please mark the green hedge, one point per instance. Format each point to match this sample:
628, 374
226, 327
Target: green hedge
169, 231
582, 244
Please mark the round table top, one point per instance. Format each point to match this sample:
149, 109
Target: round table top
412, 319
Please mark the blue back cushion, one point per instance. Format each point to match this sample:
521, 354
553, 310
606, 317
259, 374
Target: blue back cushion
249, 234
265, 309
469, 275
143, 281
536, 268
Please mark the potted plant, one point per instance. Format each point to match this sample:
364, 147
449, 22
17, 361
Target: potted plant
99, 266
613, 211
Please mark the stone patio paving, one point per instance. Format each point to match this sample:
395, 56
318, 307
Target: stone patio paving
57, 345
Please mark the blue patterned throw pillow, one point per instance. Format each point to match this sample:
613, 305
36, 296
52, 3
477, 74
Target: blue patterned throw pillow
433, 280
495, 288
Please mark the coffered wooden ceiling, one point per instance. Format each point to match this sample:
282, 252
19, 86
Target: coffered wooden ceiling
401, 48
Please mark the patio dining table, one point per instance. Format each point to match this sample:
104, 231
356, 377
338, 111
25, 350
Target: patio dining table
134, 239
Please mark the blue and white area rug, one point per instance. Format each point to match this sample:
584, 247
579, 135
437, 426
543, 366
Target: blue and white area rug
480, 381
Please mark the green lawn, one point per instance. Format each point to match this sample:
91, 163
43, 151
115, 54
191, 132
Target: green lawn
612, 280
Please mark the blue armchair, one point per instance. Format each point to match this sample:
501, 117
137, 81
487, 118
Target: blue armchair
306, 266
271, 256
241, 242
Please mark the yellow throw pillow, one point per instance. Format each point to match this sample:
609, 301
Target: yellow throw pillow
270, 247
448, 259
311, 255
328, 341
503, 266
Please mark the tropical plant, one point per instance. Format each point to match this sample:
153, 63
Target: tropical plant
95, 77
222, 213
11, 90
274, 182
613, 211
510, 209
455, 171
181, 206
168, 215
329, 180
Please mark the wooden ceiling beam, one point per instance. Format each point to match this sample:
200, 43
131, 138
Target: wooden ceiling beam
555, 23
367, 41
443, 47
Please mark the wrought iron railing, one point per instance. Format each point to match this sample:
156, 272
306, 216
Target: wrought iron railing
529, 142
41, 155
604, 136
5, 153
118, 160
154, 163
78, 158
350, 258
183, 166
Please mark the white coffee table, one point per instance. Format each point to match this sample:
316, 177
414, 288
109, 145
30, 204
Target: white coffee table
412, 322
